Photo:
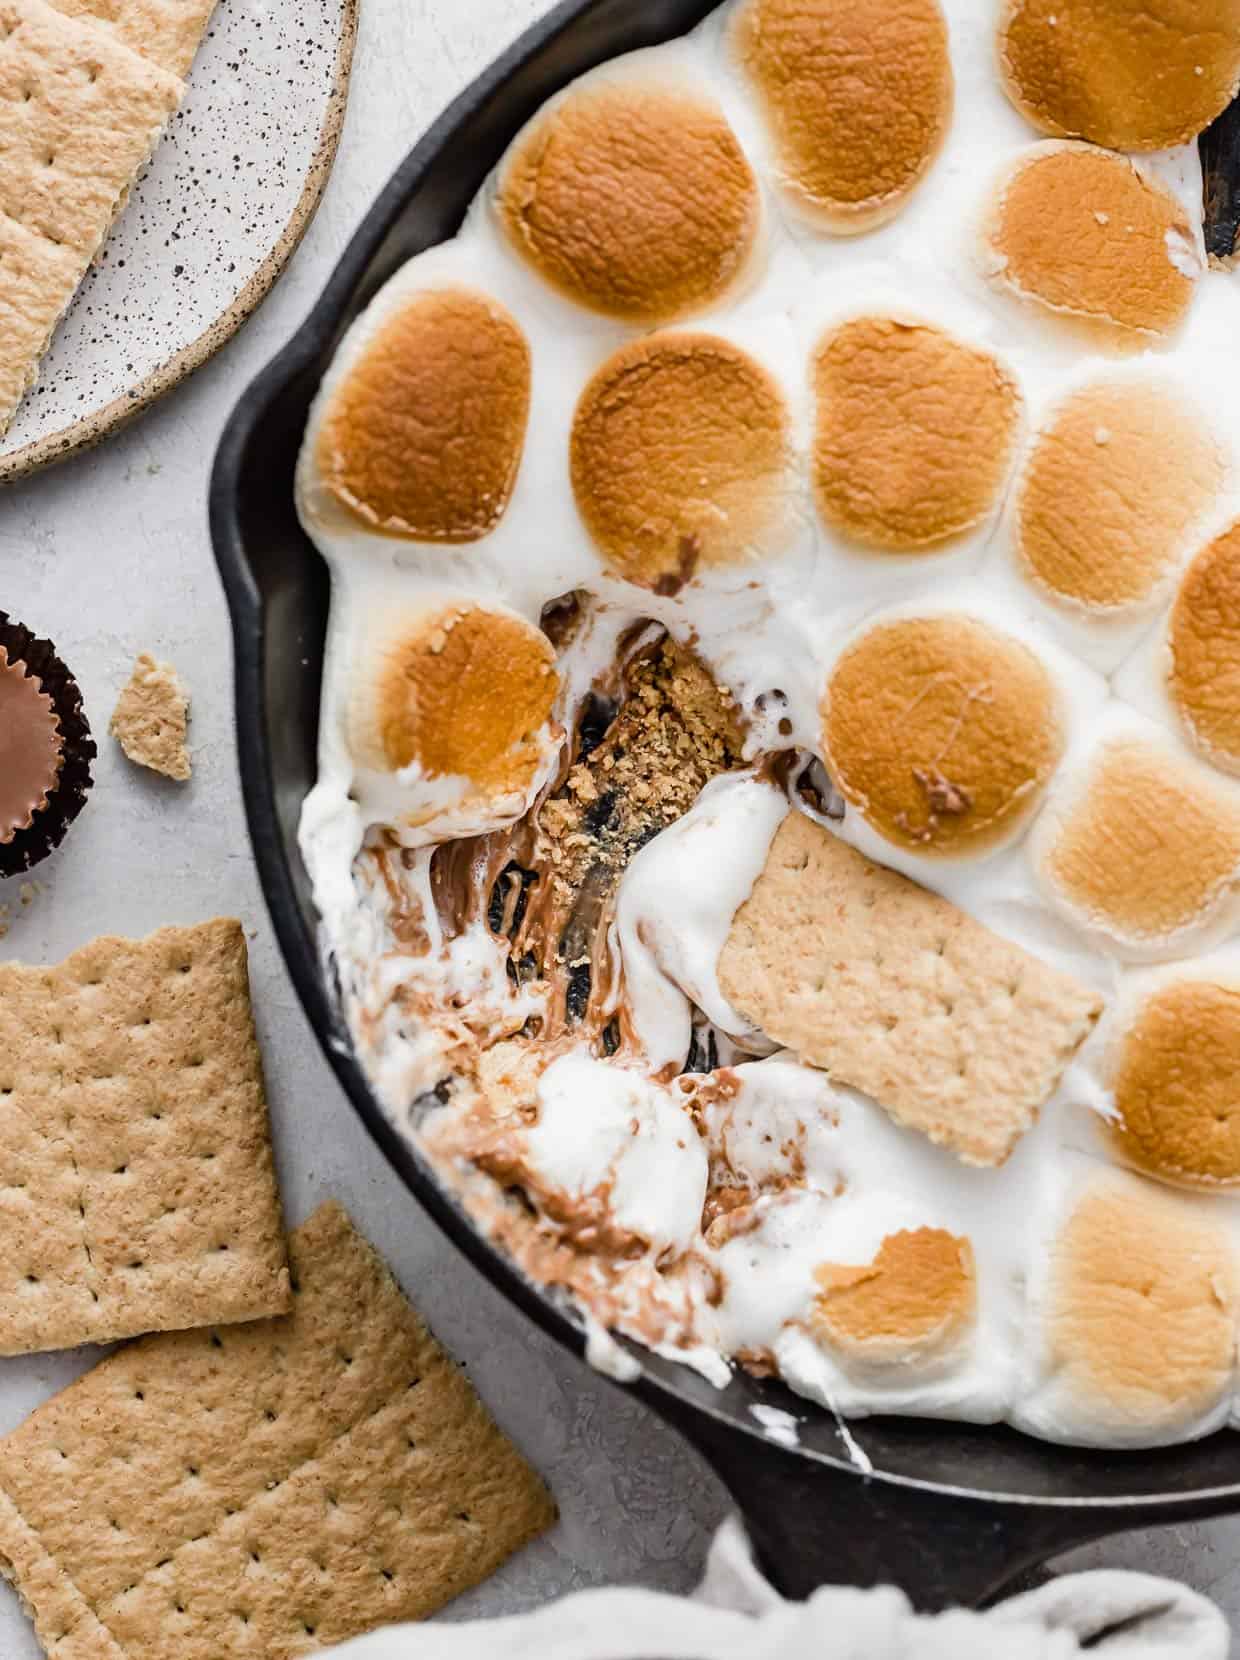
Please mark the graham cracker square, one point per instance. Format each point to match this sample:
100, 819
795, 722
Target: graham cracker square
79, 115
137, 1191
36, 279
898, 993
166, 32
264, 1490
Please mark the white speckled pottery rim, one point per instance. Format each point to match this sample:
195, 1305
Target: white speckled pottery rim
101, 423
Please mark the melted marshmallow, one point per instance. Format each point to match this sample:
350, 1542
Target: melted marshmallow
675, 906
604, 1127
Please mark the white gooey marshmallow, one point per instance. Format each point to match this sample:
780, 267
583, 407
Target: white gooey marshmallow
609, 1127
674, 908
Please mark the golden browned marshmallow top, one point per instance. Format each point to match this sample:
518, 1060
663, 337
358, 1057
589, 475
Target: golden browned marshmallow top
1140, 1322
423, 436
1082, 232
1174, 1082
918, 1295
1115, 484
857, 95
460, 691
1149, 847
942, 731
1203, 638
1130, 77
634, 200
914, 433
681, 459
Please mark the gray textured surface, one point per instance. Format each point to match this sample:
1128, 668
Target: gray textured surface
109, 555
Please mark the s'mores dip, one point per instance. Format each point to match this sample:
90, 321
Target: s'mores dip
777, 834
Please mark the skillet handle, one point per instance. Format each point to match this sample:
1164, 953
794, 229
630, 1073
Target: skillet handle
811, 1524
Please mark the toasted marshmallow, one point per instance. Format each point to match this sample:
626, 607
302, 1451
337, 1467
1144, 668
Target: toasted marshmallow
1171, 1069
1126, 78
1119, 478
1133, 1310
1203, 651
1086, 234
456, 700
682, 459
423, 436
894, 1290
632, 196
917, 1297
915, 432
1140, 844
857, 99
942, 731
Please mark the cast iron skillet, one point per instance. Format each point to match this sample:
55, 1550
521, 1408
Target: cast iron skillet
951, 1512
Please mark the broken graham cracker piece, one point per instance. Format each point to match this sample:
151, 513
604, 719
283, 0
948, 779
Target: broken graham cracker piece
165, 32
79, 115
264, 1490
151, 719
898, 993
137, 1191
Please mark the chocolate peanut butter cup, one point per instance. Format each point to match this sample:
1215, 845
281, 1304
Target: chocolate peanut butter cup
45, 748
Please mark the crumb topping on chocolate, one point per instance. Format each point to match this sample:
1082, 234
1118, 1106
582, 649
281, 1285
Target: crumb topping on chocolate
642, 753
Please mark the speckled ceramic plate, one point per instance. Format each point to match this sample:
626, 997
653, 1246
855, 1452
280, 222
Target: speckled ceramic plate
211, 224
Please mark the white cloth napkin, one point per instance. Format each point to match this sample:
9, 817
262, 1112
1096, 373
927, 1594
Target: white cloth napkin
736, 1615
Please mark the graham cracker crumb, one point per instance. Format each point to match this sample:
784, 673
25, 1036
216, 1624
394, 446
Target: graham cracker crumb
675, 730
151, 719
